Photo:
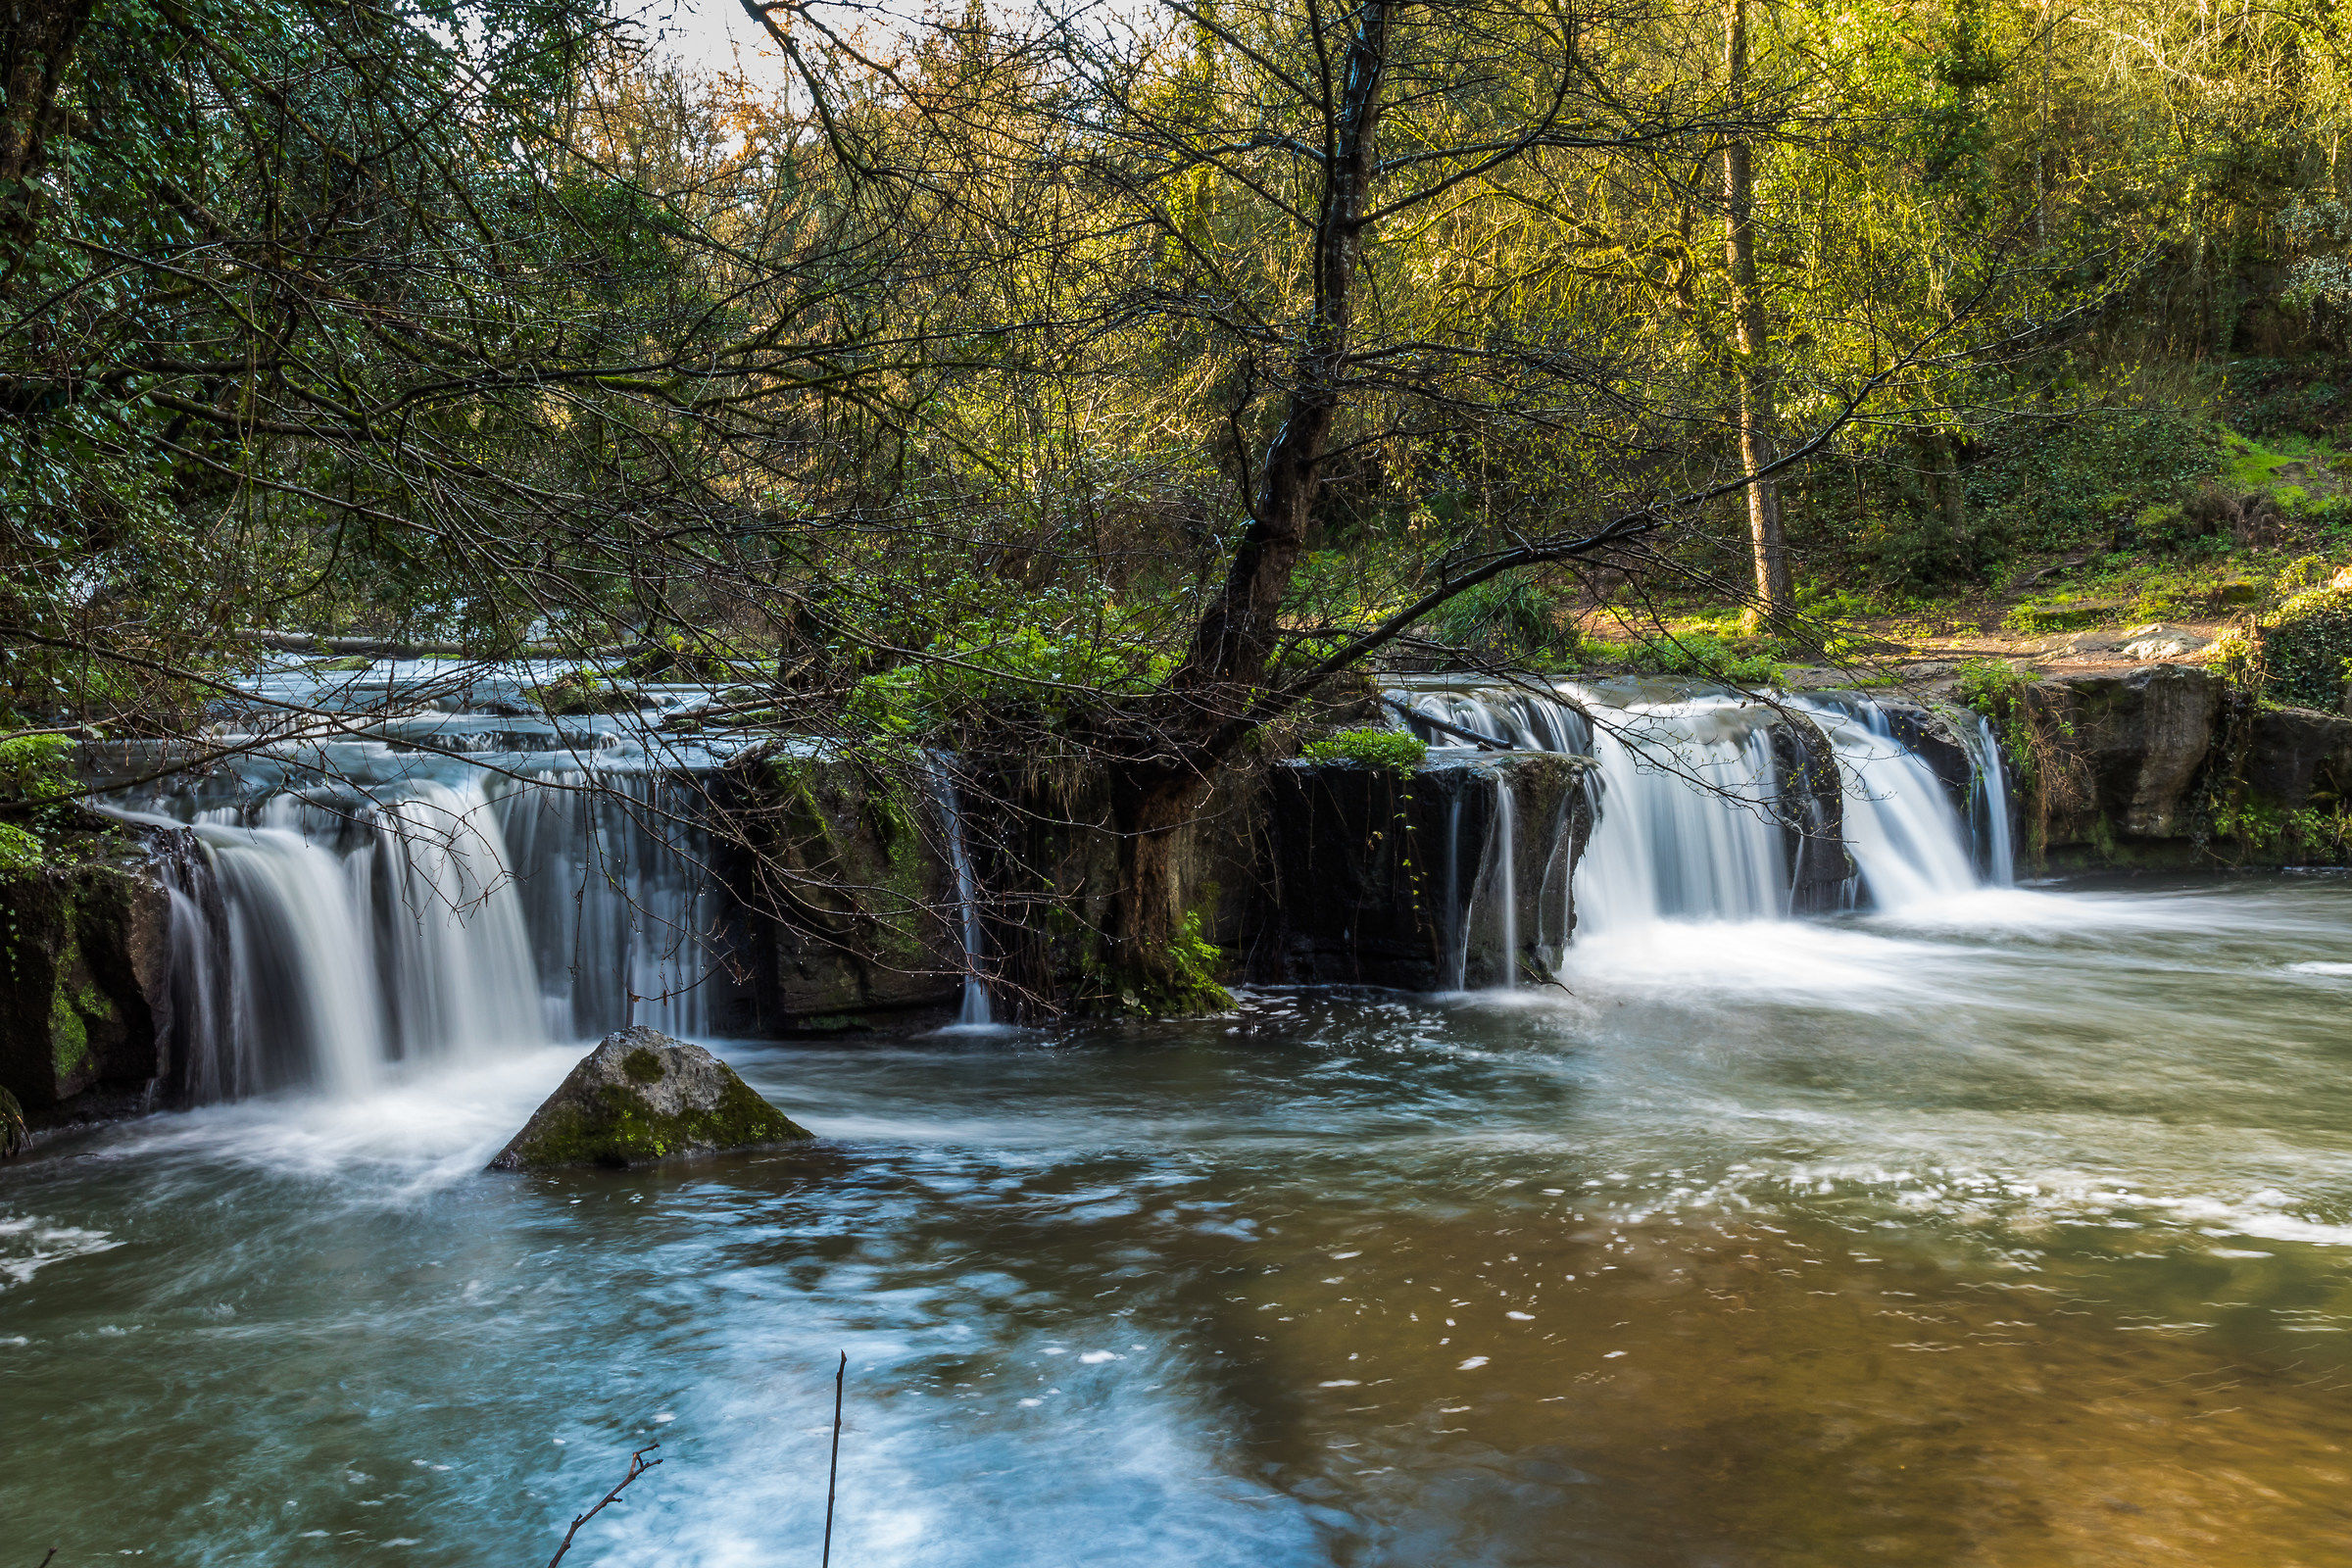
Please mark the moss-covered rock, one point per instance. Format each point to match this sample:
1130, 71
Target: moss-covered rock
641, 1098
86, 1019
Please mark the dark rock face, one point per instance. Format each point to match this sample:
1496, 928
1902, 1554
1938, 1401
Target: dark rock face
1376, 879
641, 1098
86, 1018
839, 886
2135, 743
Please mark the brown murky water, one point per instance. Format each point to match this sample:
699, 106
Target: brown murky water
2022, 1236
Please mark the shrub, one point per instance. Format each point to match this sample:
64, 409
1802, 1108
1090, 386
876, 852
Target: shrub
21, 854
1513, 616
2303, 652
1390, 749
37, 780
1707, 654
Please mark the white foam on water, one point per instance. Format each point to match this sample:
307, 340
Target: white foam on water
29, 1245
421, 1128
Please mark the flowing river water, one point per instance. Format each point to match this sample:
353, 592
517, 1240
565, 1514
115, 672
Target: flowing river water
2015, 1231
1998, 1226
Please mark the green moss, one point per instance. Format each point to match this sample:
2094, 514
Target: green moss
1390, 749
642, 1066
623, 1130
69, 1036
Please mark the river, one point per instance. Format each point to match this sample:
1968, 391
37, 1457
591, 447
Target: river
2016, 1229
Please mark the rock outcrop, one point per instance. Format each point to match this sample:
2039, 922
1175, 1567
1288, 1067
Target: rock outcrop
641, 1098
87, 1008
1365, 869
2168, 766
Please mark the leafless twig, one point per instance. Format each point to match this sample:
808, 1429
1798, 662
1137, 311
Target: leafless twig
638, 1465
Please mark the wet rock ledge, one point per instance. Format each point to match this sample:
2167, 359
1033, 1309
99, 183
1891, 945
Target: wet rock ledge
641, 1098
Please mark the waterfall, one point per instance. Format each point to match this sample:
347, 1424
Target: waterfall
307, 999
1687, 817
215, 1060
1988, 800
1506, 886
976, 1011
621, 912
339, 961
457, 968
1700, 816
1900, 824
1491, 897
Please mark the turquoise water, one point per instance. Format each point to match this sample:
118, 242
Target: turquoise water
2016, 1233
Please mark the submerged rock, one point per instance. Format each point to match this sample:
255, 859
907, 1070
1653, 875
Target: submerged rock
640, 1097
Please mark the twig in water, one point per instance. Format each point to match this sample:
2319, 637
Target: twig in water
637, 1467
832, 1471
45, 1560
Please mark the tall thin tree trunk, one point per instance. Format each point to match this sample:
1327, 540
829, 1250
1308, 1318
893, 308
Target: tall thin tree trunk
1756, 448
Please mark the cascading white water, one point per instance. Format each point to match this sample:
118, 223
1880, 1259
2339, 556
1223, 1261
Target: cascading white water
1688, 817
1900, 824
1988, 802
1489, 896
613, 871
308, 1002
1694, 819
411, 944
977, 1011
458, 970
1506, 886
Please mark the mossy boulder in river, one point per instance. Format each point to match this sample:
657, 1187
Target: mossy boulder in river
640, 1097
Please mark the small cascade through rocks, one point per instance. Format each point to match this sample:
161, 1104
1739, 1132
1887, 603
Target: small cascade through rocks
1712, 804
976, 1012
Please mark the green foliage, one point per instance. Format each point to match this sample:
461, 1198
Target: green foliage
1390, 749
2304, 650
1183, 984
1995, 689
1003, 654
36, 785
1707, 656
21, 854
1510, 618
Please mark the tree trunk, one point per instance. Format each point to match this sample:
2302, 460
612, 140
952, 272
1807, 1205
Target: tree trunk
1152, 809
1165, 761
38, 38
1756, 449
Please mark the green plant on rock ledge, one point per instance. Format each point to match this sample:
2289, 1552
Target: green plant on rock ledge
1995, 689
2312, 833
1184, 985
1391, 750
2305, 649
